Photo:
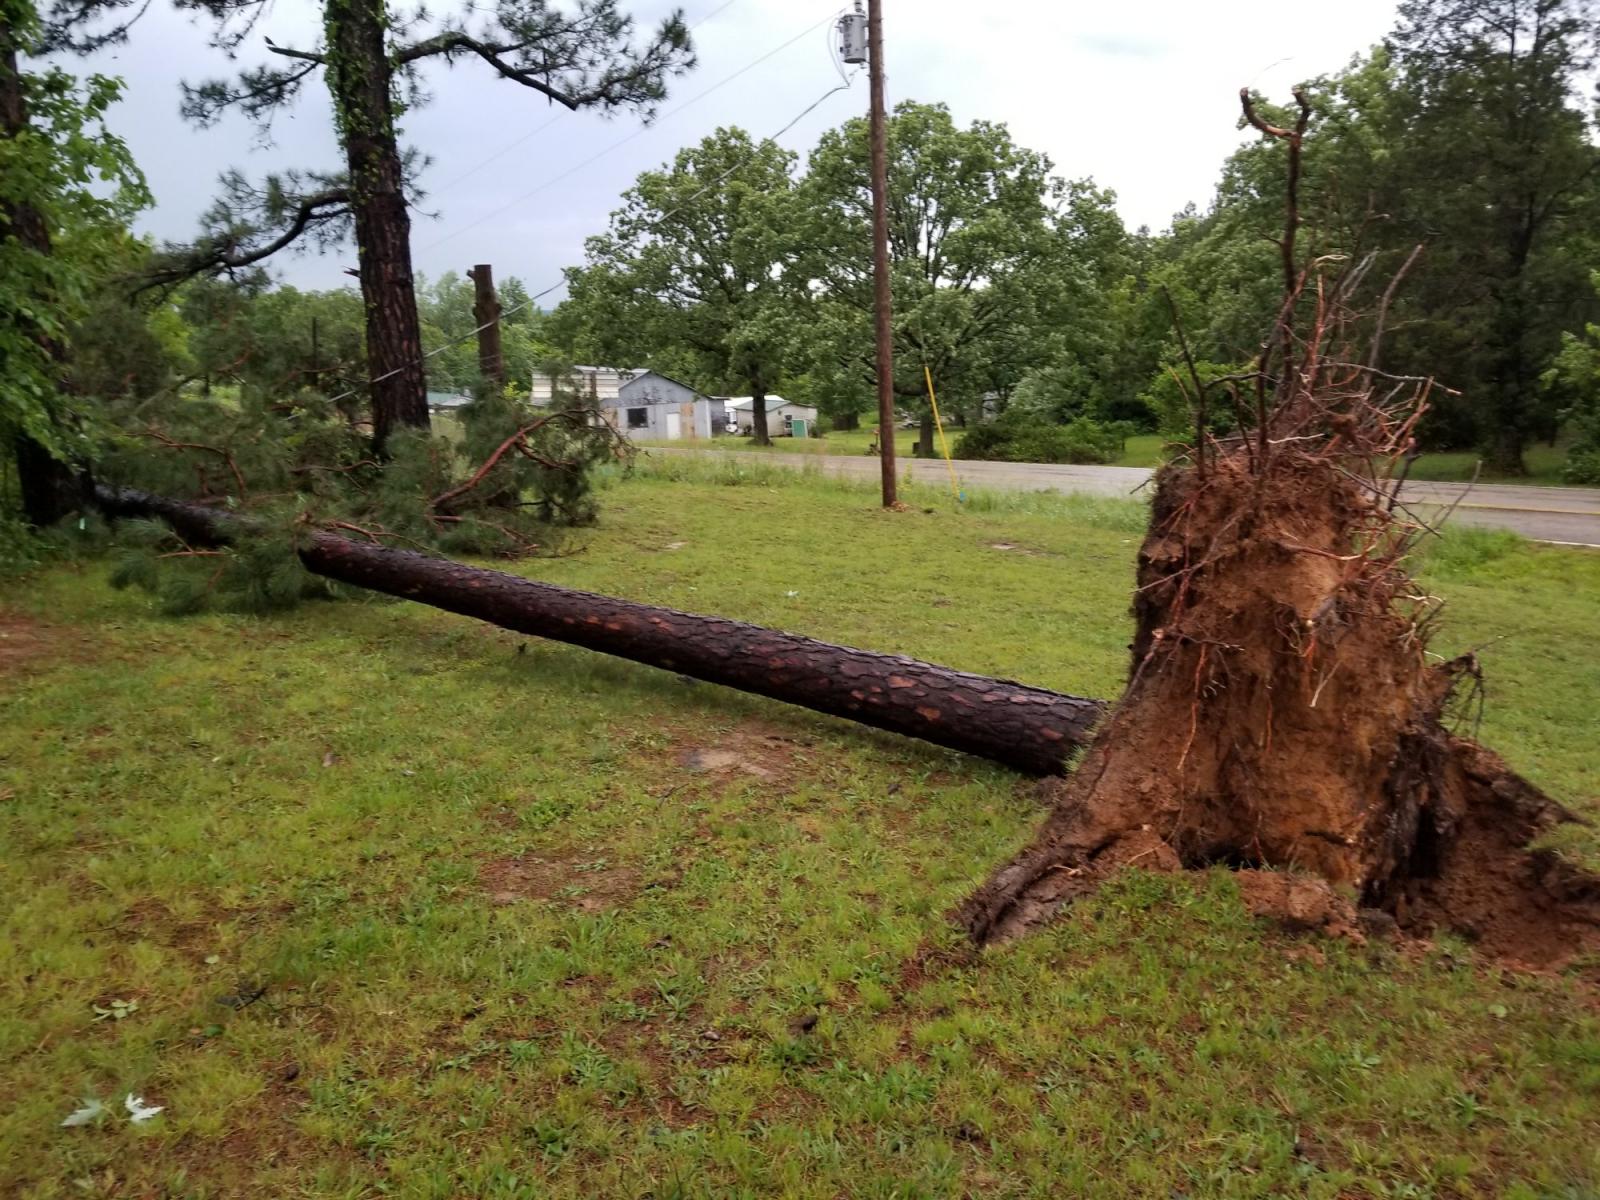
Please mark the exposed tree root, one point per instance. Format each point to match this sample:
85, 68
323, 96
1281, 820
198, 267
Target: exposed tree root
1283, 713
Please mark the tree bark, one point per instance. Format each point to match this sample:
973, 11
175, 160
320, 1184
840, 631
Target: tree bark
486, 312
758, 415
925, 436
50, 488
1027, 728
360, 78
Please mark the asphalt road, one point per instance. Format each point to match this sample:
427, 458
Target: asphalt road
1570, 516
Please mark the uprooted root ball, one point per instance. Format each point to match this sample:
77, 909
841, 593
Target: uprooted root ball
1283, 712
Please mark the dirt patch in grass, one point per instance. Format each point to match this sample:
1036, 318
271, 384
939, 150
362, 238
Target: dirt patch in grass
575, 877
751, 748
25, 642
263, 1140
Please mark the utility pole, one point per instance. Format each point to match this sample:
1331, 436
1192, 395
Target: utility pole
486, 314
880, 250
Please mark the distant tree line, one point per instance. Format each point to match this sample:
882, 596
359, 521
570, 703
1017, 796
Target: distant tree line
1466, 133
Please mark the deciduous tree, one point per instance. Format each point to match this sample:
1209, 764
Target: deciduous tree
695, 270
969, 234
67, 188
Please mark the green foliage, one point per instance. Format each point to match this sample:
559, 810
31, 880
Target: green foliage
245, 331
510, 485
690, 279
1170, 396
1574, 379
67, 189
259, 575
1016, 438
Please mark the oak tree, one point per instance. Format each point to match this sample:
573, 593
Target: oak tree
694, 272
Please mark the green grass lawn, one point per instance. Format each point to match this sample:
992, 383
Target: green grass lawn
413, 907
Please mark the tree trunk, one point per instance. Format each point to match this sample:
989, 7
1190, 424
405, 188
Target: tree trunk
1027, 728
50, 488
925, 436
758, 415
1503, 455
486, 313
360, 79
850, 420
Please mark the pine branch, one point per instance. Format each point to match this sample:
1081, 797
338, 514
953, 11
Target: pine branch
233, 247
449, 45
260, 90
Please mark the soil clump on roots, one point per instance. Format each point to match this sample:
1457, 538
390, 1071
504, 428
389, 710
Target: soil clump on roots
1283, 712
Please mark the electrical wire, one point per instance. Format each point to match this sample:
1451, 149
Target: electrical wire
617, 145
687, 200
537, 130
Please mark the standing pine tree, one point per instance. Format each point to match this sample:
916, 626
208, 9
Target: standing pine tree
371, 62
1498, 178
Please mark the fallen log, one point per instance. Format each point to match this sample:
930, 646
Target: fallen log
1029, 729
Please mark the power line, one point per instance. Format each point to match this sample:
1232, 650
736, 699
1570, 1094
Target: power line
617, 145
556, 286
537, 130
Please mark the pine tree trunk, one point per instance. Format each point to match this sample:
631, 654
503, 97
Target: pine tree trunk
360, 78
49, 488
1027, 728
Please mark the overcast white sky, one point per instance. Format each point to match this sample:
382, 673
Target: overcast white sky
1141, 96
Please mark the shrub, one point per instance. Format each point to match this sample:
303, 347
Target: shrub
1582, 466
1079, 441
1173, 404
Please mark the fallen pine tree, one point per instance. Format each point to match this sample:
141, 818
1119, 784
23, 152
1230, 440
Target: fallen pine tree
1027, 728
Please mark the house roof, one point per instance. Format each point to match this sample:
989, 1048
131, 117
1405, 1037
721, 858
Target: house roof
744, 403
640, 374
